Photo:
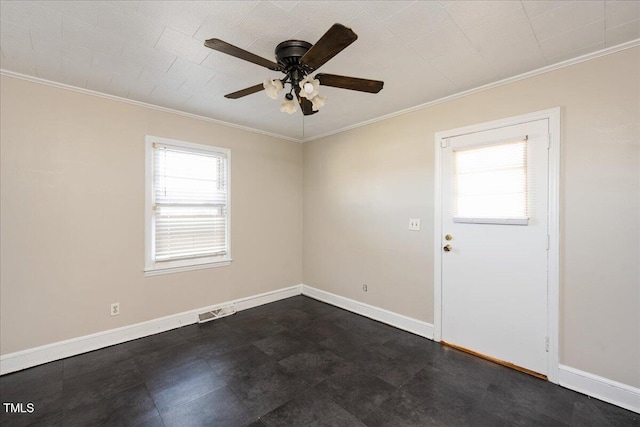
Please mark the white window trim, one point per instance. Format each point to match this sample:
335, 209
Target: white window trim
152, 268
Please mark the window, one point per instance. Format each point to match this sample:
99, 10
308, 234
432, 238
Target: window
490, 184
187, 206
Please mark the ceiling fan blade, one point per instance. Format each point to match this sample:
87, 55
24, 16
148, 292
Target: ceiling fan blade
245, 92
351, 83
330, 44
229, 49
306, 106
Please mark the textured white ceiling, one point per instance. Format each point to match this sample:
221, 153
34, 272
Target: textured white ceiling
152, 51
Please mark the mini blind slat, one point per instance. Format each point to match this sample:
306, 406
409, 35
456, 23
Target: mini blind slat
177, 229
491, 181
190, 197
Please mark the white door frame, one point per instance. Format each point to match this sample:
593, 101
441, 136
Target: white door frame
553, 272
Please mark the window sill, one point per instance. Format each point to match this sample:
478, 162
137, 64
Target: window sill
156, 271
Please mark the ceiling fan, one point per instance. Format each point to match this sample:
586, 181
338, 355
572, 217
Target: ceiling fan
297, 59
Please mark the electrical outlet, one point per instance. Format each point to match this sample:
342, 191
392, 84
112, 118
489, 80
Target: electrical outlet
364, 288
414, 224
115, 308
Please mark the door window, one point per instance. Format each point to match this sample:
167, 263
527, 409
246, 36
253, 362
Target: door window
490, 184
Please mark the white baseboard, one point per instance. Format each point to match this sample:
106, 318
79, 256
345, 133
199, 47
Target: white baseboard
610, 391
59, 350
24, 359
400, 321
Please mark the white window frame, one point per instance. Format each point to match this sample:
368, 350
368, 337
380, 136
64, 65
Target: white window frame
152, 267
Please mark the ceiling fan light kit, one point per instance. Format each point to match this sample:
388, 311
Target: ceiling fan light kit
298, 59
288, 106
272, 88
309, 87
318, 102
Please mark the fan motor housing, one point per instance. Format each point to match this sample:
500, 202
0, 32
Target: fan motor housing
289, 52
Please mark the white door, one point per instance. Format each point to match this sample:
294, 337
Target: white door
495, 243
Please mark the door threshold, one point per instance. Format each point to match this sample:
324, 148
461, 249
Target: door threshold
498, 361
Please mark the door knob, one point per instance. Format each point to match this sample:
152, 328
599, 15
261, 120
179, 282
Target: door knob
447, 248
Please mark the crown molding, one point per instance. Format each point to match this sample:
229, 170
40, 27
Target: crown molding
85, 91
508, 80
523, 76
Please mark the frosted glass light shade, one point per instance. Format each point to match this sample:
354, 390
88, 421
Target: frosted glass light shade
288, 106
272, 88
318, 102
314, 83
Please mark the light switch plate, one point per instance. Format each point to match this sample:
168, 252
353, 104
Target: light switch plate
414, 224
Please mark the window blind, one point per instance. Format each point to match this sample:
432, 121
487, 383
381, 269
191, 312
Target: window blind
490, 183
189, 203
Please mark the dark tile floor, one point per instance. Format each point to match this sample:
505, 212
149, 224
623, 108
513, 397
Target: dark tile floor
295, 362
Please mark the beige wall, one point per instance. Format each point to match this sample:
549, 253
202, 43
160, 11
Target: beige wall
362, 186
72, 215
72, 211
